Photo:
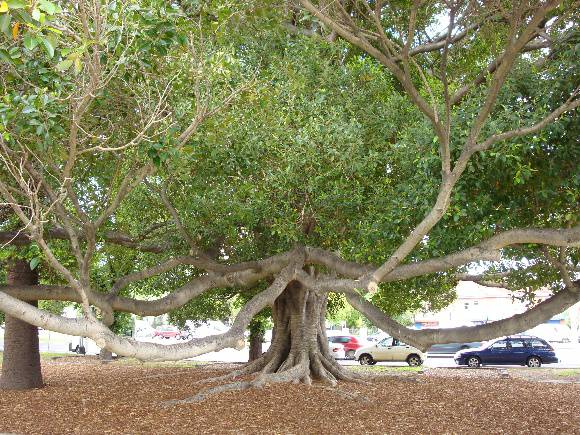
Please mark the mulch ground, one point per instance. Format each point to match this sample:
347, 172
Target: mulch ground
85, 396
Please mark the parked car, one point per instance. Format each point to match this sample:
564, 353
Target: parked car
336, 350
375, 338
350, 343
390, 349
167, 331
453, 347
519, 349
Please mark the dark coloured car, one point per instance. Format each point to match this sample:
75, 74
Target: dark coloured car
516, 350
453, 347
350, 343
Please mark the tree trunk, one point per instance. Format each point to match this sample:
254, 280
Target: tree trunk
21, 362
256, 340
299, 350
105, 355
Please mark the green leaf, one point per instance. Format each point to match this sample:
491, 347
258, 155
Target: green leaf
30, 41
78, 65
36, 14
16, 4
34, 263
48, 7
3, 7
53, 30
48, 46
64, 64
4, 56
5, 24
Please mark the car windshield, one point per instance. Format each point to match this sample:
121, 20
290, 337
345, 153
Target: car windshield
386, 342
489, 344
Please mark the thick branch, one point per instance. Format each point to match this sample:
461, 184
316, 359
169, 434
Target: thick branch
423, 339
104, 338
195, 287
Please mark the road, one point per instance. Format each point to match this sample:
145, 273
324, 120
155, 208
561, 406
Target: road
569, 354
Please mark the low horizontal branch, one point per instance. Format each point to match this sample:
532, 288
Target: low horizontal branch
172, 301
271, 266
423, 339
105, 338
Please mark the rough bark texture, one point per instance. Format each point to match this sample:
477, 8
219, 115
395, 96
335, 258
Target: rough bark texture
21, 361
256, 340
299, 352
105, 355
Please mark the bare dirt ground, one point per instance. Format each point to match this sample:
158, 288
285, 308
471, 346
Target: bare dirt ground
84, 396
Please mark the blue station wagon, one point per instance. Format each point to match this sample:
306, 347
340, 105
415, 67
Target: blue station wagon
516, 350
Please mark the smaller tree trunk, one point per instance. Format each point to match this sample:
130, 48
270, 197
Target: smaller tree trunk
256, 340
106, 355
21, 361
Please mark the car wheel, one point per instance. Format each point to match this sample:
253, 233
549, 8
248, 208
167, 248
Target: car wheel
350, 354
473, 361
366, 360
414, 360
534, 361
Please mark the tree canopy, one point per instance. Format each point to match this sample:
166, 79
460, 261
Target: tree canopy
170, 156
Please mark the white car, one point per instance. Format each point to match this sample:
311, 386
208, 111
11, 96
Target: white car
336, 350
390, 349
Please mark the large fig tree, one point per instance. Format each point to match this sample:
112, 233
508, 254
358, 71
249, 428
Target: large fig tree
378, 150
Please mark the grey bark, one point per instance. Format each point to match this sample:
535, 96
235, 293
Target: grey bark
256, 340
105, 355
21, 360
299, 350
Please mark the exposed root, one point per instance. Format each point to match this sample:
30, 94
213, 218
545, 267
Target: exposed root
248, 369
298, 354
202, 395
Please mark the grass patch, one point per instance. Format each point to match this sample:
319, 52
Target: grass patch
567, 372
44, 356
386, 369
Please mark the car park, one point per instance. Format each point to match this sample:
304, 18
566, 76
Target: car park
350, 343
516, 350
390, 349
336, 350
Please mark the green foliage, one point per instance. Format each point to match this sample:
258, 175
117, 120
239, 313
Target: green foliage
123, 324
321, 148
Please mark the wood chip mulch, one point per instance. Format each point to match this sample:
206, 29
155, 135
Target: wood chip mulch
85, 396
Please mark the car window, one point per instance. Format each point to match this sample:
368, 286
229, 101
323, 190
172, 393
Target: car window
502, 344
517, 343
539, 344
386, 342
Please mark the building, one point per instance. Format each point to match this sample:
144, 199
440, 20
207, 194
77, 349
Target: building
476, 305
